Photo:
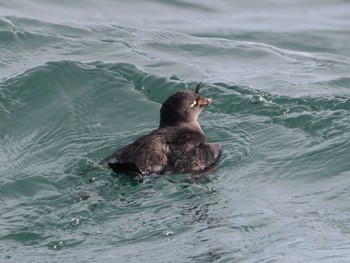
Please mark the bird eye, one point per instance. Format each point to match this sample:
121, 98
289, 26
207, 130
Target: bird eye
194, 103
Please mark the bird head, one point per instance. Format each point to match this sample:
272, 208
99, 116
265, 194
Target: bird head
183, 107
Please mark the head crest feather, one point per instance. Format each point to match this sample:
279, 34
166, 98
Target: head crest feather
199, 86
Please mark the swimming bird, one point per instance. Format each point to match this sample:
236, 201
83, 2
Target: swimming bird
177, 146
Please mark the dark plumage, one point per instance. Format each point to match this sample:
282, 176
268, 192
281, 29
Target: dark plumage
178, 145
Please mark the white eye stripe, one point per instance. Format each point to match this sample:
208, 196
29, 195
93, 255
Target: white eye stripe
194, 103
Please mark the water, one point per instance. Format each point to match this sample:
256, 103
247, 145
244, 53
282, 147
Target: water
80, 79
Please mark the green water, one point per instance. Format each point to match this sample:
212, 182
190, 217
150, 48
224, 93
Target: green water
80, 80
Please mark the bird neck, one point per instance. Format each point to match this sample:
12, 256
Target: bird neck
169, 116
193, 126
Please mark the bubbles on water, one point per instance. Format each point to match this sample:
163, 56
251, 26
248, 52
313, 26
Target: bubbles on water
75, 221
168, 233
93, 179
286, 111
258, 98
255, 99
56, 245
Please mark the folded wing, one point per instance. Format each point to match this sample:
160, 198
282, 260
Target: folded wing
199, 158
145, 155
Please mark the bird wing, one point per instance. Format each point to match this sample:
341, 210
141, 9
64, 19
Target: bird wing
191, 152
198, 158
145, 155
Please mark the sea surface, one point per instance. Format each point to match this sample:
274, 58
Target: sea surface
80, 79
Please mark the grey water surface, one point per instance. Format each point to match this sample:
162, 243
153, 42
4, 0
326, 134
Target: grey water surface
80, 79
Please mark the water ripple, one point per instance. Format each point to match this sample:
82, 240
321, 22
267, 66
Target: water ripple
78, 90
